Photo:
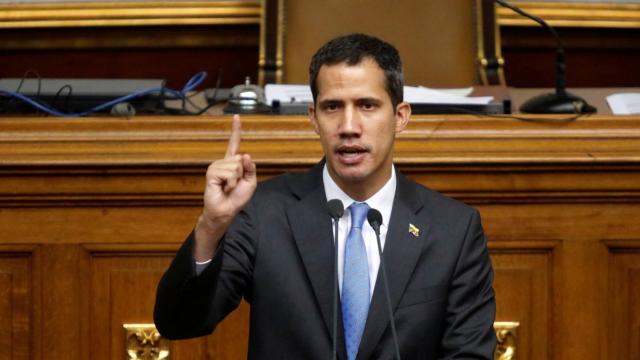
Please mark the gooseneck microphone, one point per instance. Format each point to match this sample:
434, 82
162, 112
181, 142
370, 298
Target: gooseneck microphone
560, 102
336, 210
375, 220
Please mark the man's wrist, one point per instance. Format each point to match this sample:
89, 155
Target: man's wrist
207, 237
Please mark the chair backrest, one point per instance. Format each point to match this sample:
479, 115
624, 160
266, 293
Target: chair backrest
440, 41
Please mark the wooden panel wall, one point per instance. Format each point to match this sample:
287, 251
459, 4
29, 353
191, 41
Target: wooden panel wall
594, 56
624, 294
92, 211
600, 38
143, 40
17, 301
132, 39
418, 28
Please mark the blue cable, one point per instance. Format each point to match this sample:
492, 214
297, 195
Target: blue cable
193, 83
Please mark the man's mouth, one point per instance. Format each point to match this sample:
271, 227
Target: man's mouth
351, 153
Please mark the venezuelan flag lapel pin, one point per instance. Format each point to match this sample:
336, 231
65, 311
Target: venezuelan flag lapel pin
414, 230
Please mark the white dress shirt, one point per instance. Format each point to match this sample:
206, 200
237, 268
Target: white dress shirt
381, 201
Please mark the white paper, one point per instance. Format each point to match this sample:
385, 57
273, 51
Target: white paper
288, 93
419, 94
412, 94
624, 104
458, 91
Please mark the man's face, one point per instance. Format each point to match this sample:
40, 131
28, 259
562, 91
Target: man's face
356, 121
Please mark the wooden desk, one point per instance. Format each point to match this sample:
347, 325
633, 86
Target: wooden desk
92, 211
594, 96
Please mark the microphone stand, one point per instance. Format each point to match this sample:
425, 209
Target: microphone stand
561, 101
336, 210
335, 289
375, 220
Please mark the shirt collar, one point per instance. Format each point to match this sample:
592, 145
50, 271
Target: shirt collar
381, 200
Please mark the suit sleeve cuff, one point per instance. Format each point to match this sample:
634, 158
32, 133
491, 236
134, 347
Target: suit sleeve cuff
200, 266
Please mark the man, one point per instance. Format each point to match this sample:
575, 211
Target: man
274, 246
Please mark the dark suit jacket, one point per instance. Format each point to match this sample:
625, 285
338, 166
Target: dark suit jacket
278, 255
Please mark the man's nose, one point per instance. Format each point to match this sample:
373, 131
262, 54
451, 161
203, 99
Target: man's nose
350, 122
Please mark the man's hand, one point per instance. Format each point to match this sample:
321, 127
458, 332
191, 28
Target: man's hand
230, 184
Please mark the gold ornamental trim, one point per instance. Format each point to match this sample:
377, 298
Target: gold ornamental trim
507, 335
568, 14
280, 40
482, 53
144, 342
129, 14
282, 31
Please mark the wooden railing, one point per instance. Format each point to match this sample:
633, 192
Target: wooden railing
92, 211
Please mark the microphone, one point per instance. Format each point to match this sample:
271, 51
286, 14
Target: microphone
336, 210
375, 220
560, 102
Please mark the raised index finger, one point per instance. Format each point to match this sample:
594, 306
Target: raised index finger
234, 139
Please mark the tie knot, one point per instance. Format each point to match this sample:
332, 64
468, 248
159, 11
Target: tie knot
358, 214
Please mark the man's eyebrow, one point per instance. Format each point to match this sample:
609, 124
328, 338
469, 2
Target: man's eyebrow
330, 101
358, 100
369, 100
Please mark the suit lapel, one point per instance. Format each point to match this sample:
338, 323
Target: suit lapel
401, 253
311, 228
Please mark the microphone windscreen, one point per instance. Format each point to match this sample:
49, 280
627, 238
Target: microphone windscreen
336, 208
374, 218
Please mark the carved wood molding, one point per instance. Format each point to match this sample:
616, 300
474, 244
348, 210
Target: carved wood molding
433, 140
530, 246
118, 249
571, 14
162, 160
124, 13
622, 245
18, 249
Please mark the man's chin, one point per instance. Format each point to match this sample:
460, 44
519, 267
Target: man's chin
351, 175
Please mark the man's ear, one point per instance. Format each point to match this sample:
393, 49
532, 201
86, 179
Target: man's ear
403, 113
312, 117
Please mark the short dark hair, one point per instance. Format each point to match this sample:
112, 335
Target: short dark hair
351, 49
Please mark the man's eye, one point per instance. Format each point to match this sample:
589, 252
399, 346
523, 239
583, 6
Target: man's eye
368, 106
331, 107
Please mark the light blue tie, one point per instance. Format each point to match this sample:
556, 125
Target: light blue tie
355, 281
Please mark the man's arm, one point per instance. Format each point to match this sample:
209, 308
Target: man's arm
230, 183
185, 303
184, 300
471, 308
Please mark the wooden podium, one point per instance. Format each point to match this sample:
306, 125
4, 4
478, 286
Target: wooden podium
92, 211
